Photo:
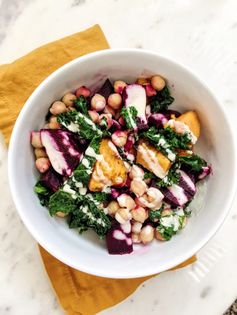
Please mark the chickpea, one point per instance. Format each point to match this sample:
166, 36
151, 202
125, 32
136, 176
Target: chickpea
119, 86
136, 227
147, 234
68, 99
126, 201
113, 207
61, 214
139, 214
98, 102
138, 187
157, 82
42, 164
58, 108
119, 138
158, 236
36, 140
94, 116
115, 101
39, 153
109, 110
136, 172
136, 238
84, 91
53, 123
123, 215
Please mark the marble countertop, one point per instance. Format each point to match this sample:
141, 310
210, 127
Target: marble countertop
199, 34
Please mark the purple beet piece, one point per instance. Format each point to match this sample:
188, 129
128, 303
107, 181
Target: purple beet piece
135, 95
206, 170
52, 180
175, 195
158, 120
187, 183
118, 239
116, 126
106, 89
170, 112
130, 143
61, 149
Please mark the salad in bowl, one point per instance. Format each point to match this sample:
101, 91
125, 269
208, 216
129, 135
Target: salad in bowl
116, 160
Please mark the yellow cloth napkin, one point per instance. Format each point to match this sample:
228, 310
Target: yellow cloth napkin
79, 293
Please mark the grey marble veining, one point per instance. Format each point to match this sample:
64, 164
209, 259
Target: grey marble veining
201, 35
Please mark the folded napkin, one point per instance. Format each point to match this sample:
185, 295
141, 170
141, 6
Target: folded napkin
79, 293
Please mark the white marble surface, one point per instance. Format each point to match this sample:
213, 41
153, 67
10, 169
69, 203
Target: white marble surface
200, 34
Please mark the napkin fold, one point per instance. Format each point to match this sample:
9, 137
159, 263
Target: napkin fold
79, 293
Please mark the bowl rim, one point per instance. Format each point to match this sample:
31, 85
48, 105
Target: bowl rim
39, 237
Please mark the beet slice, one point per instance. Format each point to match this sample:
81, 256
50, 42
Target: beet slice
175, 195
61, 149
158, 120
52, 180
106, 89
135, 95
187, 183
118, 239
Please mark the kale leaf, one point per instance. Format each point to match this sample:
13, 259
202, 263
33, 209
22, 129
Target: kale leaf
161, 100
82, 124
129, 115
175, 140
43, 193
154, 215
193, 162
61, 201
81, 105
89, 216
171, 178
149, 175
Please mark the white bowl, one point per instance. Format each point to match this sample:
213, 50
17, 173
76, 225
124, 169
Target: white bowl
85, 252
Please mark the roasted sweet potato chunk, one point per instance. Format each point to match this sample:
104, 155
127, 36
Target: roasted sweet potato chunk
109, 170
190, 118
152, 159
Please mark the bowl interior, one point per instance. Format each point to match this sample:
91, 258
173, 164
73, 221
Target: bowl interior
85, 252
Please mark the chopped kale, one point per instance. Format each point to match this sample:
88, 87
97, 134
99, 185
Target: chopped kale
149, 175
161, 100
171, 178
175, 140
89, 216
129, 115
61, 201
43, 193
193, 162
81, 105
80, 123
154, 215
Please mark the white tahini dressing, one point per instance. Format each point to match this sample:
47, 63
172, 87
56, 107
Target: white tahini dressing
170, 221
150, 158
178, 193
73, 127
70, 191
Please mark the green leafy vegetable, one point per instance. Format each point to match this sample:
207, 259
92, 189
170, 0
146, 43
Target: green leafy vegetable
194, 162
81, 105
156, 137
89, 216
154, 215
161, 101
129, 115
148, 175
170, 224
43, 193
171, 178
175, 140
80, 123
61, 201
